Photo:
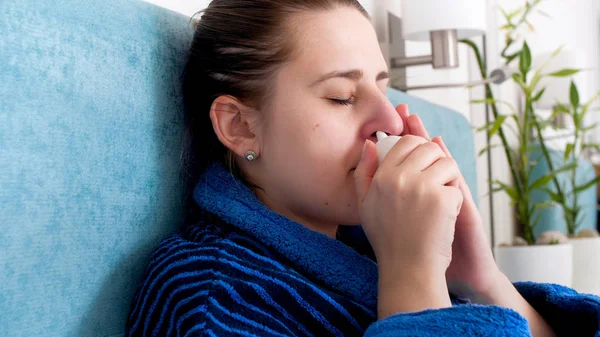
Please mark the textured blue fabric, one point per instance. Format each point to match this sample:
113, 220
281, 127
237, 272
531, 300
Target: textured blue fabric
553, 218
241, 269
89, 158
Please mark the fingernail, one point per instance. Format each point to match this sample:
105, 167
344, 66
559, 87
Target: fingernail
364, 149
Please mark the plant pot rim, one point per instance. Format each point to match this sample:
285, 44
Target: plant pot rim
584, 239
531, 247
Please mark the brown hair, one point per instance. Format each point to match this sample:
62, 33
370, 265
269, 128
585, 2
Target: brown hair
237, 48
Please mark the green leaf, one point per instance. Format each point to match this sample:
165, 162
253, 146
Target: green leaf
487, 148
511, 57
587, 105
511, 191
534, 80
564, 72
554, 55
568, 149
517, 121
589, 128
545, 179
566, 167
537, 220
531, 28
574, 95
538, 95
591, 146
553, 195
541, 181
483, 101
494, 101
518, 78
587, 185
544, 14
484, 127
497, 125
559, 107
544, 205
556, 52
506, 16
514, 13
525, 59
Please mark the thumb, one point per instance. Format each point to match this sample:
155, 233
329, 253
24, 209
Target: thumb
363, 175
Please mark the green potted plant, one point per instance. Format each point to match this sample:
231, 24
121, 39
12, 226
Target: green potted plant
547, 258
585, 242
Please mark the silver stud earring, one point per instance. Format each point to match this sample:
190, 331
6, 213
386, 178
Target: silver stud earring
250, 155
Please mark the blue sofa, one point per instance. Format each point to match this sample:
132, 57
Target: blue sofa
90, 126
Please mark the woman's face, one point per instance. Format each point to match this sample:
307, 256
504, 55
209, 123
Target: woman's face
327, 100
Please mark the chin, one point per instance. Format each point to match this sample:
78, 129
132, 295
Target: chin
351, 218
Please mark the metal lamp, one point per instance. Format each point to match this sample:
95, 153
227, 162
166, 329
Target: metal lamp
442, 22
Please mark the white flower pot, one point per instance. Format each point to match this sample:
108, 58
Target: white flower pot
586, 264
538, 263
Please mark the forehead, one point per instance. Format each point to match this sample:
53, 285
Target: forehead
336, 39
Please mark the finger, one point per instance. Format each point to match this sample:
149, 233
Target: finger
401, 150
402, 110
416, 127
423, 157
438, 140
455, 198
462, 183
363, 175
443, 172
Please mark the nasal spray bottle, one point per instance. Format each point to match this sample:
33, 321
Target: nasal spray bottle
385, 144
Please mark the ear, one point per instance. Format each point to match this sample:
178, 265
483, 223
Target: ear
233, 124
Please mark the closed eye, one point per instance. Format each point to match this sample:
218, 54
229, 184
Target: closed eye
348, 101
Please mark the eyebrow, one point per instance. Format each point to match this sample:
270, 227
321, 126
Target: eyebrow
353, 74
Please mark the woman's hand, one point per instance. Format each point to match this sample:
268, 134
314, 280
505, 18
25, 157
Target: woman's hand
408, 213
473, 272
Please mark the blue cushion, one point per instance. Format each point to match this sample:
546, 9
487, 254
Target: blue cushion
89, 150
90, 126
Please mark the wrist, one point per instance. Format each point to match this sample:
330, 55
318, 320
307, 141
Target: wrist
504, 294
411, 291
499, 292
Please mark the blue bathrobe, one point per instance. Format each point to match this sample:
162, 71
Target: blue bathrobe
239, 269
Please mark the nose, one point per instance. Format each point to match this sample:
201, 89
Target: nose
380, 116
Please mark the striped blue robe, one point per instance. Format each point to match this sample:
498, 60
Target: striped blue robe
239, 269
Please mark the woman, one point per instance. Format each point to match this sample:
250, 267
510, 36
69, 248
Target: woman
283, 98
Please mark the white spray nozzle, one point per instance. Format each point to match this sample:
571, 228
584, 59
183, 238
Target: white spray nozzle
385, 143
381, 135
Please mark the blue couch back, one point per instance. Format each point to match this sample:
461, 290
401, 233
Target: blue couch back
90, 125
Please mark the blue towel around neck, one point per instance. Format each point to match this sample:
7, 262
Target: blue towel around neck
239, 269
